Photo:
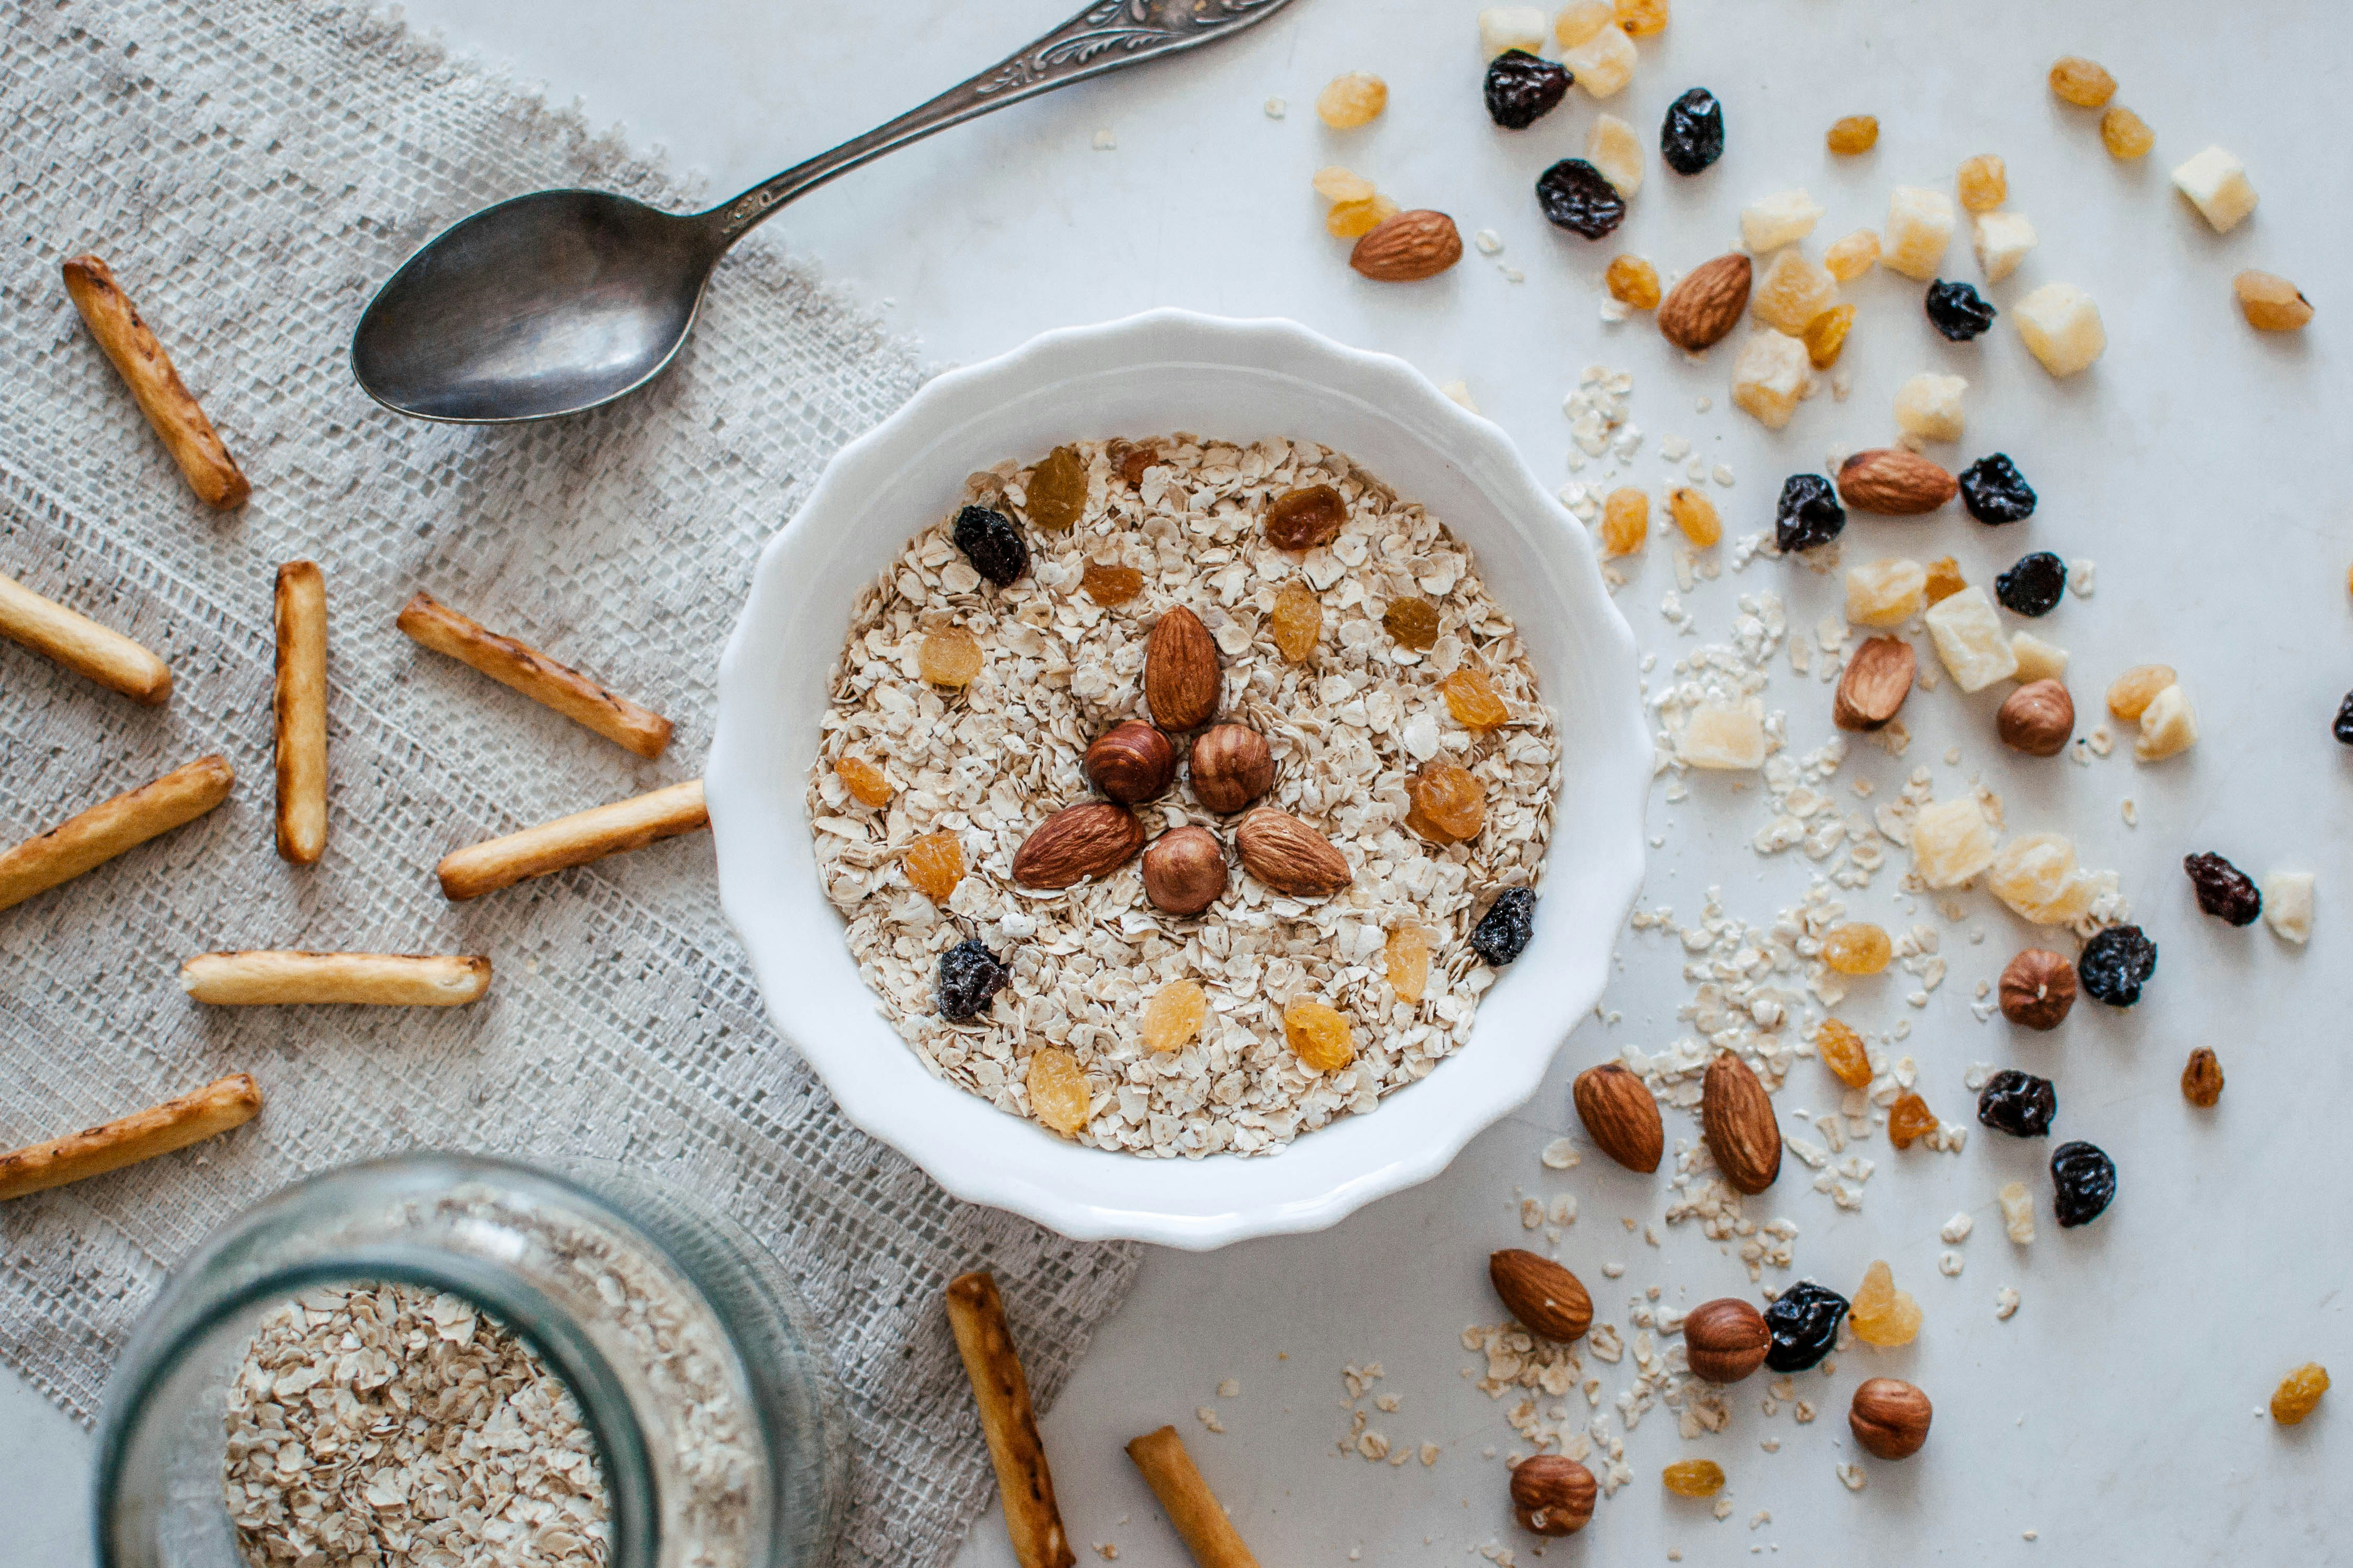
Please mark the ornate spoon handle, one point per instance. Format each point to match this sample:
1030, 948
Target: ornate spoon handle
1105, 36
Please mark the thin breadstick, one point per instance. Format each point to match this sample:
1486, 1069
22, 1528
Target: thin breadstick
218, 1106
1191, 1506
574, 840
976, 1313
112, 826
536, 675
147, 370
375, 979
299, 706
81, 645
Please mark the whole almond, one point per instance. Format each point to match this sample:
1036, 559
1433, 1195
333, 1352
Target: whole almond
1736, 1115
1620, 1116
1180, 671
1546, 1298
1289, 855
1076, 843
1889, 1416
1552, 1494
1408, 248
1894, 482
1725, 1340
1877, 680
1707, 303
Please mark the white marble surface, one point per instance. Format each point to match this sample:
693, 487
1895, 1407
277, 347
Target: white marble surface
2116, 1414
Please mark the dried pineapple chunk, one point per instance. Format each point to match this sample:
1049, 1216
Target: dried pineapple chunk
1919, 228
1886, 592
1793, 291
1773, 374
1951, 841
1727, 736
1969, 640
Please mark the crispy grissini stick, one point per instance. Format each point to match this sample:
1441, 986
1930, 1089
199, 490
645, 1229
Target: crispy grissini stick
147, 370
81, 645
574, 840
380, 979
976, 1313
298, 704
218, 1106
1192, 1507
112, 826
536, 675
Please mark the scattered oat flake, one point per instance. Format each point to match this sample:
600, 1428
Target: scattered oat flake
1209, 1419
1106, 141
1488, 241
1276, 109
1561, 1154
2005, 1302
1229, 1388
1853, 1476
1108, 1551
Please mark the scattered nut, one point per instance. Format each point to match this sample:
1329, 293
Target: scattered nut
1736, 1118
1185, 870
1893, 482
1552, 1494
1620, 1116
2038, 989
1408, 248
1546, 1298
1076, 843
1180, 671
1878, 679
1132, 762
1725, 1340
1707, 303
2038, 719
1231, 766
1890, 1417
1289, 855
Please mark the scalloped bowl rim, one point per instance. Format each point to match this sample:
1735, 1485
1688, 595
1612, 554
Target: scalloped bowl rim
772, 689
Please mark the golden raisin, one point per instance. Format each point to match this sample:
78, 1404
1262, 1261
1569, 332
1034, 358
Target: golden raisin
1851, 258
1855, 133
1907, 1119
2126, 135
1692, 1478
1108, 582
1318, 1036
1580, 19
1632, 281
1625, 520
1350, 100
1695, 515
1174, 1016
1298, 621
2298, 1392
2270, 302
1983, 183
1353, 220
1058, 1089
1057, 491
1826, 335
1448, 805
1470, 698
1944, 579
1406, 956
950, 657
1856, 947
1641, 18
1413, 623
1304, 517
1335, 184
864, 779
935, 864
2131, 692
1841, 1051
1881, 1314
2082, 82
2201, 1078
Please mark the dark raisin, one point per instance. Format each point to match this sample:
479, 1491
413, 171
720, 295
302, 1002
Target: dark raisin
970, 975
1692, 136
1955, 310
1502, 932
2018, 1103
1804, 1324
1995, 491
1808, 513
989, 542
2223, 891
2343, 728
2083, 1184
1575, 196
2034, 585
2115, 964
1522, 88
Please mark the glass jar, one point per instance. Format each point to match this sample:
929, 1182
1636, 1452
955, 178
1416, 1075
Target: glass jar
711, 1404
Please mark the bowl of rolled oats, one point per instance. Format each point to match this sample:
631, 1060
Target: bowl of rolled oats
1179, 743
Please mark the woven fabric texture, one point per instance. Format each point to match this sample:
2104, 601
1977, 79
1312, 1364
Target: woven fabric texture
252, 169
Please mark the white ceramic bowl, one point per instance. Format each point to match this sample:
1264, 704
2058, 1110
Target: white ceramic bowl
1171, 370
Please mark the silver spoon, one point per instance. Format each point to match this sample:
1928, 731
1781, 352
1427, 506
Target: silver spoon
557, 301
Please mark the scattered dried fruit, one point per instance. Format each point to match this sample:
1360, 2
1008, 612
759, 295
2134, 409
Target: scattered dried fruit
1304, 519
1603, 64
1471, 698
1131, 762
1807, 513
1983, 183
1180, 671
2115, 964
2216, 183
1995, 491
1907, 1120
1957, 310
1737, 1119
1726, 736
935, 864
2223, 891
970, 975
2060, 327
1447, 805
1825, 335
2083, 1182
1504, 932
1857, 948
2016, 1212
1632, 282
1919, 226
1544, 1298
1793, 291
1771, 376
1695, 515
2126, 135
1231, 766
1108, 584
2001, 241
1412, 622
1522, 88
1552, 1494
1337, 184
1058, 1089
1318, 1035
1782, 218
1185, 870
1057, 491
1851, 134
1804, 1322
2083, 83
2018, 1103
1889, 1417
1620, 1116
2342, 727
1725, 1340
2298, 1393
988, 541
1351, 100
1692, 137
1842, 1052
1355, 220
2271, 304
1174, 1015
1297, 620
949, 657
1707, 303
1951, 841
1894, 481
1692, 1478
1625, 521
2168, 726
1406, 958
2038, 989
1408, 248
1575, 197
1944, 580
2201, 1078
2038, 719
1851, 258
2034, 585
2130, 693
1881, 1315
1289, 855
1077, 842
1928, 405
1132, 460
1579, 20
1642, 18
1612, 147
863, 780
1876, 680
1504, 28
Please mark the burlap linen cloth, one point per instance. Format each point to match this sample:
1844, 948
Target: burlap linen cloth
252, 169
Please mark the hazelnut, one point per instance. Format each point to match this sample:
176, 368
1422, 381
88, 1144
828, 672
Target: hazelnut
1132, 762
2037, 989
1725, 1340
1552, 1494
1889, 1416
2038, 719
1185, 870
1231, 766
